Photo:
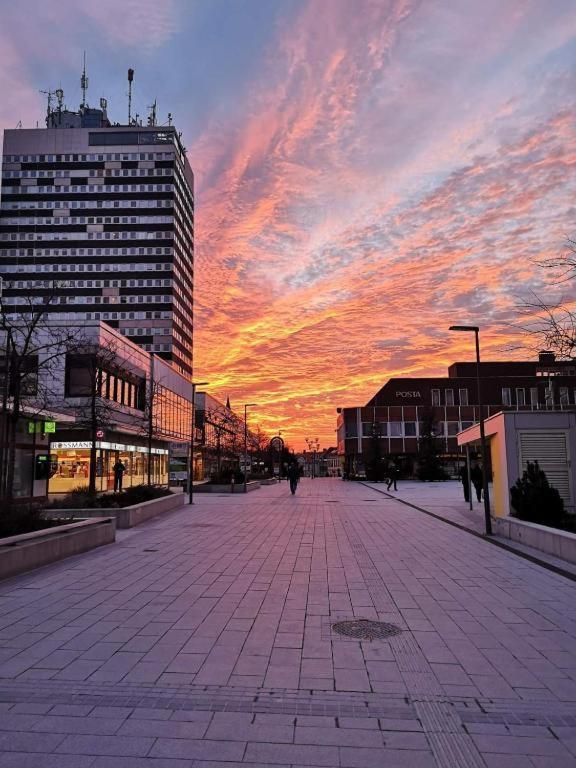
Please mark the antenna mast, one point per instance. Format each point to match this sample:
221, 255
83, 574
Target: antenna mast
152, 115
84, 84
130, 79
48, 95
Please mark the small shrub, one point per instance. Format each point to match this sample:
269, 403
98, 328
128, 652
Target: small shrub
533, 499
19, 518
80, 498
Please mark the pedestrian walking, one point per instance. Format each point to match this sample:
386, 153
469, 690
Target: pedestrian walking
477, 477
393, 473
119, 468
465, 483
293, 474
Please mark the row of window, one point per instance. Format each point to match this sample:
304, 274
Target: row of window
6, 236
33, 205
51, 252
408, 428
59, 221
145, 331
50, 268
449, 397
148, 299
104, 189
549, 396
140, 283
88, 158
83, 172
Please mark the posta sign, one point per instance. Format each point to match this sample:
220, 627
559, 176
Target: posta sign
408, 394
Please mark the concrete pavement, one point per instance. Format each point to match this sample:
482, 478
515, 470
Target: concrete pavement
205, 639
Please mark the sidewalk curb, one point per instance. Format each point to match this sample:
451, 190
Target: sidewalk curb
490, 539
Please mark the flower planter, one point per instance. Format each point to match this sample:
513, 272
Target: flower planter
553, 541
126, 517
227, 487
33, 550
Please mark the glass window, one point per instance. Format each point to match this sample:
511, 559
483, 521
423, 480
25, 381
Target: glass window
463, 396
395, 429
506, 396
449, 396
435, 397
520, 396
549, 394
452, 428
564, 396
534, 396
366, 429
410, 428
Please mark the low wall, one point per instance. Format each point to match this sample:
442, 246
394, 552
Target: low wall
226, 487
32, 550
550, 540
126, 517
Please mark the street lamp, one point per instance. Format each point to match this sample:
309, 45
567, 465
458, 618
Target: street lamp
313, 445
246, 406
192, 435
476, 331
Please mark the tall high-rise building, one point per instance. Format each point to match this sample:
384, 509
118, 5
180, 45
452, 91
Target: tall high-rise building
102, 216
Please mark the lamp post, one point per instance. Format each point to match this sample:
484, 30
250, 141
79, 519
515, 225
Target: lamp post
487, 518
246, 406
313, 445
192, 440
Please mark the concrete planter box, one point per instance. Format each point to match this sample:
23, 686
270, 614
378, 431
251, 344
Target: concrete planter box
226, 487
269, 481
550, 540
32, 550
126, 517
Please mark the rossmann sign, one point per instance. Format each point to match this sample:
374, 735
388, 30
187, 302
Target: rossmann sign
408, 394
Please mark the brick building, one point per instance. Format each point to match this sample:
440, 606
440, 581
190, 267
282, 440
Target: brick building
390, 423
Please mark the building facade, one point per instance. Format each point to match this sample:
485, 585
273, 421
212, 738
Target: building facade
100, 218
388, 428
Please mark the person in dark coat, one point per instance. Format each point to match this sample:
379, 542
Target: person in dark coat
464, 480
477, 477
393, 474
293, 474
119, 468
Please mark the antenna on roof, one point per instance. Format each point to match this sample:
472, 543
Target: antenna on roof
84, 84
130, 79
169, 118
48, 95
152, 115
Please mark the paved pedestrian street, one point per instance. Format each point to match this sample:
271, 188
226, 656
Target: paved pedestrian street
205, 639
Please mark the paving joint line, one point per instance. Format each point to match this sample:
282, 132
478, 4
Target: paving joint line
482, 536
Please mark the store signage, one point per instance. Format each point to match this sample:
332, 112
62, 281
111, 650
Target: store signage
100, 433
83, 445
408, 394
71, 445
49, 427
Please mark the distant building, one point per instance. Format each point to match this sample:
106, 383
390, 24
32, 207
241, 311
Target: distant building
388, 428
103, 216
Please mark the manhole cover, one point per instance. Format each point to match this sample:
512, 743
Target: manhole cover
364, 629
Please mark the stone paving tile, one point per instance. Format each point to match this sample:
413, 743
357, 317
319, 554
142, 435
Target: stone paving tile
217, 649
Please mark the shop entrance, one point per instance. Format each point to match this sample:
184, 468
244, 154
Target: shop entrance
70, 466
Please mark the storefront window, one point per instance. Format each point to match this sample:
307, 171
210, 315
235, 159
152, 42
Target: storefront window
71, 463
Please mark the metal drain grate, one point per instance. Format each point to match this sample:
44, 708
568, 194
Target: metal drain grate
365, 629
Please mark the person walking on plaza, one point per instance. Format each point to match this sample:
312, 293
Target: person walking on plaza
119, 468
464, 480
393, 473
293, 474
477, 477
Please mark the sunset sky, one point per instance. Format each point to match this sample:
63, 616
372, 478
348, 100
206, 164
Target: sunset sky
367, 173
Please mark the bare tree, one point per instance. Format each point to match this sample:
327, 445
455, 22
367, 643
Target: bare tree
33, 351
